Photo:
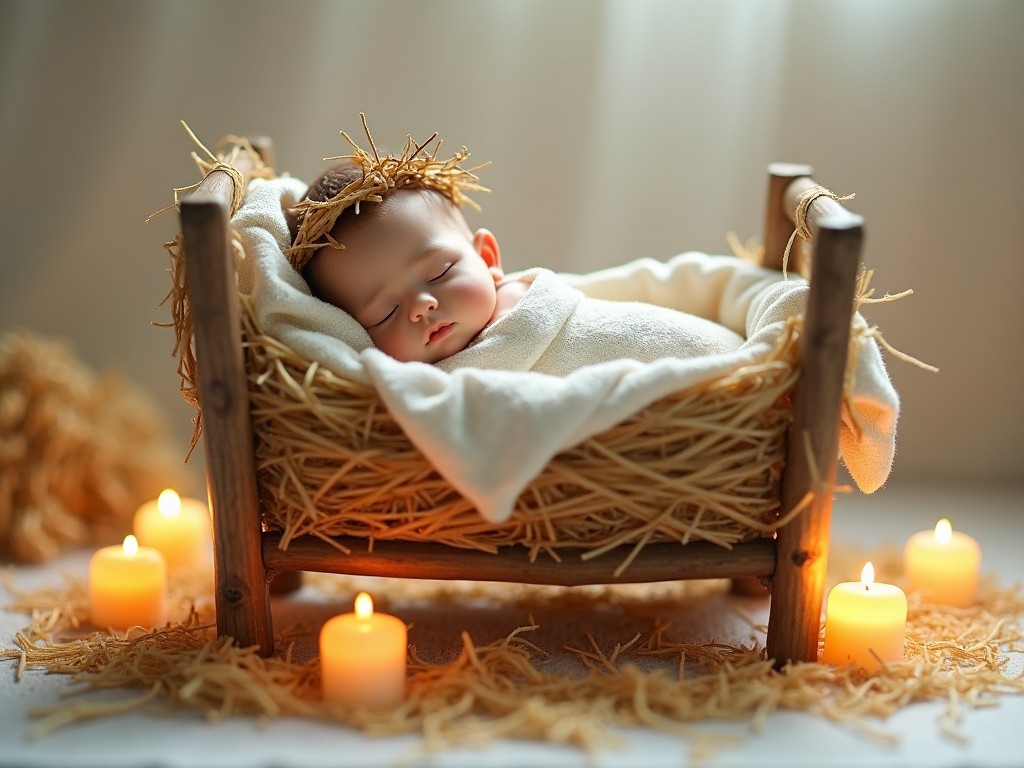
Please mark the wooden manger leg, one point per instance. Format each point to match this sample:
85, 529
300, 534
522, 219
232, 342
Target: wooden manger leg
243, 602
802, 545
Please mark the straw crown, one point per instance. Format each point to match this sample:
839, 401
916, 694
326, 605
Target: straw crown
414, 168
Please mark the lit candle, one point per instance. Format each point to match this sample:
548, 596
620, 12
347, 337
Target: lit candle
179, 528
362, 657
127, 586
865, 623
944, 564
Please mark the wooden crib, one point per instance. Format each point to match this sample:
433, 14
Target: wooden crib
793, 561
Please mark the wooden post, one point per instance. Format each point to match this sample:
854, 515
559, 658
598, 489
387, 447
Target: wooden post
778, 227
802, 545
265, 149
243, 607
778, 217
426, 560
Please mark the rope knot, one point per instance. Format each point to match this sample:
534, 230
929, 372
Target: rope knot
803, 229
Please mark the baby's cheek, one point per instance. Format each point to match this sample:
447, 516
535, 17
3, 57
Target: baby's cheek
387, 343
479, 296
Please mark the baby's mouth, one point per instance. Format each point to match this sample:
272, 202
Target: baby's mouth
438, 334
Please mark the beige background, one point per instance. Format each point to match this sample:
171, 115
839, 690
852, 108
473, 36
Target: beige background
616, 129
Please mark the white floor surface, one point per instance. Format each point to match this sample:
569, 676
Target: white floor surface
994, 516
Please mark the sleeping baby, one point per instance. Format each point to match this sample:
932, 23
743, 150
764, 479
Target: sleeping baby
426, 288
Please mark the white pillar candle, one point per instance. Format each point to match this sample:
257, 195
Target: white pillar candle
943, 564
362, 657
865, 623
127, 586
179, 528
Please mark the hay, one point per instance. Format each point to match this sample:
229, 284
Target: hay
79, 451
702, 464
229, 150
413, 169
510, 688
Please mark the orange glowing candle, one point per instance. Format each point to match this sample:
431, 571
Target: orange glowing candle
179, 528
362, 657
127, 586
865, 623
943, 564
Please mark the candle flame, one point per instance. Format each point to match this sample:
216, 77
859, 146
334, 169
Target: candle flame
943, 531
364, 606
130, 546
169, 503
867, 576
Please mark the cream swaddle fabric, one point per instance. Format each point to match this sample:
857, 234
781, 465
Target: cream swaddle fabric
490, 431
556, 329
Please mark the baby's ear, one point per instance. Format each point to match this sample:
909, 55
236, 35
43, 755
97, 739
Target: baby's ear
486, 244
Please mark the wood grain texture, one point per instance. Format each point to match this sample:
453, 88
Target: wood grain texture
241, 585
799, 581
418, 560
779, 210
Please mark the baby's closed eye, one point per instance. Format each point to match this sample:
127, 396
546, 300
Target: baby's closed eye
384, 319
442, 274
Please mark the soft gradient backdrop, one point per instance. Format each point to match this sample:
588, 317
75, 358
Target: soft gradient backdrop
617, 129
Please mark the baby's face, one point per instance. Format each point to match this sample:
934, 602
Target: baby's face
412, 277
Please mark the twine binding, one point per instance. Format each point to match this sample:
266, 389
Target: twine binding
803, 228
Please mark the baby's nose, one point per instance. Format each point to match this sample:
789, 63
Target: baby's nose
423, 302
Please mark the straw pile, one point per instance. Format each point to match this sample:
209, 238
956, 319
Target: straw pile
513, 688
78, 451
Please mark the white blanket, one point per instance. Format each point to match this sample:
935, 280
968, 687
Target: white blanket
490, 432
556, 329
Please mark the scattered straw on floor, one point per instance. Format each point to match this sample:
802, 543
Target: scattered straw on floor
511, 687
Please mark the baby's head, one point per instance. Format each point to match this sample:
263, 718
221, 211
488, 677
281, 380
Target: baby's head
387, 242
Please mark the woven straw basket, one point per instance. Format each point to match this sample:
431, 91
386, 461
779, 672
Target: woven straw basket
702, 464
